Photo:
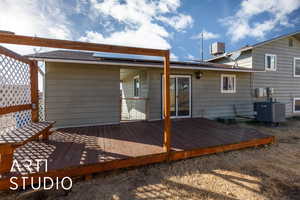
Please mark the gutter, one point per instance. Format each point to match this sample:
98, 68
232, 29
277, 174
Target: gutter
141, 65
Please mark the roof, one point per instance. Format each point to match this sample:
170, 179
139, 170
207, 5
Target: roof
250, 47
67, 56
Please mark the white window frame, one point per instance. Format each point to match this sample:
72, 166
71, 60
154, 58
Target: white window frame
275, 64
294, 104
234, 86
294, 67
139, 89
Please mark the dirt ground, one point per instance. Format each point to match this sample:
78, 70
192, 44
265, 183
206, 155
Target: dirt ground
269, 172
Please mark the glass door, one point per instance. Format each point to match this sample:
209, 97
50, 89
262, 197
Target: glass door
183, 96
180, 96
173, 96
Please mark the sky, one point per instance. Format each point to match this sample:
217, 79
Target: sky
164, 24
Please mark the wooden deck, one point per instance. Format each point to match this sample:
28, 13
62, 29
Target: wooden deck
86, 150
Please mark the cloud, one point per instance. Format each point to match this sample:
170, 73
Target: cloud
140, 22
173, 56
241, 24
60, 31
34, 18
179, 22
206, 35
130, 38
190, 57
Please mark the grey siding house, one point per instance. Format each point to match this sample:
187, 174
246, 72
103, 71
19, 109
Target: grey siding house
280, 59
83, 89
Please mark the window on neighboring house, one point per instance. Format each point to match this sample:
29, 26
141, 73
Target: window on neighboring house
270, 62
136, 86
228, 83
296, 104
297, 67
291, 42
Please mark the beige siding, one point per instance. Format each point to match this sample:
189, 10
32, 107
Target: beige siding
78, 94
285, 84
207, 99
244, 60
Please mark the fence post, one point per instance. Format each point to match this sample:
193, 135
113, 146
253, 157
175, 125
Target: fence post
34, 91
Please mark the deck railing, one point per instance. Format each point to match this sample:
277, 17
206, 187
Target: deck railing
16, 91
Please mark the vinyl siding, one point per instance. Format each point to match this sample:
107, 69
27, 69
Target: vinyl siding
80, 94
207, 99
286, 86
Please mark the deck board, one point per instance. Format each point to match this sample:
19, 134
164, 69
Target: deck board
106, 147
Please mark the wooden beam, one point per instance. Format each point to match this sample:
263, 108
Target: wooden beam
11, 109
178, 155
13, 55
167, 120
34, 91
66, 44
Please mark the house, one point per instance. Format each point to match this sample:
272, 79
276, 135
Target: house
280, 59
82, 88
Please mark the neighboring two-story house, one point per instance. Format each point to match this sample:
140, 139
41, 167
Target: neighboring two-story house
280, 58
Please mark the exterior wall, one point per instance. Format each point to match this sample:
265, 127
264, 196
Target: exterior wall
134, 108
285, 85
207, 99
78, 94
244, 60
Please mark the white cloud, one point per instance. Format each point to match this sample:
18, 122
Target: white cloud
206, 35
130, 38
240, 25
60, 31
166, 6
173, 56
190, 57
139, 20
35, 18
179, 22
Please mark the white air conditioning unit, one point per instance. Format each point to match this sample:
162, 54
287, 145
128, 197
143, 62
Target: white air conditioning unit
260, 92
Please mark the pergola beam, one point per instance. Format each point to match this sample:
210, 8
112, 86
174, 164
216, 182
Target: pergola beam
34, 91
67, 44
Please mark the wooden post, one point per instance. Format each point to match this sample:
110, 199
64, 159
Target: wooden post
167, 120
34, 91
6, 158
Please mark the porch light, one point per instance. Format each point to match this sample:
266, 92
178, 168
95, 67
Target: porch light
198, 74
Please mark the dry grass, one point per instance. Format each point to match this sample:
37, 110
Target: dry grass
270, 172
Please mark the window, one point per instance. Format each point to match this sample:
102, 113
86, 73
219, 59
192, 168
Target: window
297, 67
136, 86
228, 83
296, 104
270, 62
291, 42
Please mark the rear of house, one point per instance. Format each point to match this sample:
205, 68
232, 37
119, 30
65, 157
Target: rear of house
82, 89
280, 59
190, 96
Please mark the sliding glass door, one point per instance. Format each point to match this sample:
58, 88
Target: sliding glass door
180, 93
